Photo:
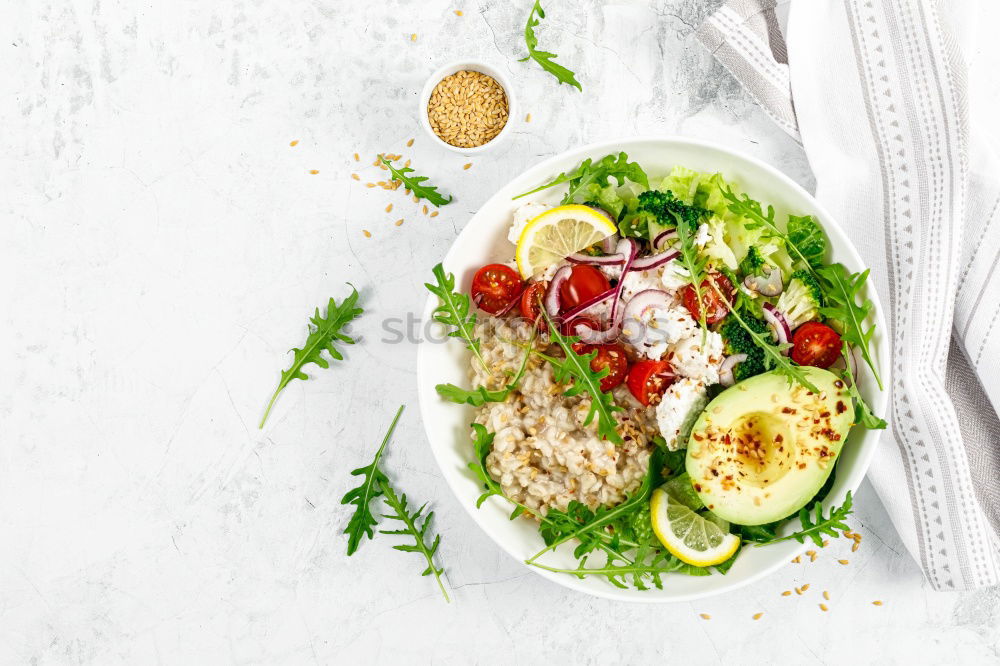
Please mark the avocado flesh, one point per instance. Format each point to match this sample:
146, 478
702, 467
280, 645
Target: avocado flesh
763, 448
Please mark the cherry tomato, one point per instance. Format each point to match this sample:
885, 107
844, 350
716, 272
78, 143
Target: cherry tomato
716, 306
569, 327
531, 303
608, 356
583, 284
495, 288
815, 344
647, 380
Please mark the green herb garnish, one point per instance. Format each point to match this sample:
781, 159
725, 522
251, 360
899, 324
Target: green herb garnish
545, 58
455, 310
695, 264
862, 412
413, 183
481, 395
324, 333
413, 527
841, 305
823, 524
361, 523
588, 173
808, 242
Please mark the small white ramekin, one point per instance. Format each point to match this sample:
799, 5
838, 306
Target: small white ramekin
475, 66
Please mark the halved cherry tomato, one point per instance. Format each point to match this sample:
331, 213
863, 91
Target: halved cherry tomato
815, 344
531, 303
716, 306
495, 287
569, 327
611, 357
647, 380
583, 284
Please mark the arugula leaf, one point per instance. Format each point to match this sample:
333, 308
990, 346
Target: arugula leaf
545, 58
773, 358
841, 294
362, 522
413, 183
482, 443
617, 574
805, 232
862, 412
823, 524
588, 173
324, 333
577, 367
481, 395
414, 528
807, 236
454, 309
694, 263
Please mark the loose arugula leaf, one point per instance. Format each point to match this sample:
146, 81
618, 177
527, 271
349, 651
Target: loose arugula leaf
413, 183
587, 521
413, 527
695, 265
588, 173
823, 524
576, 367
324, 333
806, 235
481, 395
748, 208
862, 412
545, 58
617, 574
362, 522
454, 309
773, 358
841, 294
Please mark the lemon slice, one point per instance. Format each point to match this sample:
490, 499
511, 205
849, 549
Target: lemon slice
689, 536
557, 233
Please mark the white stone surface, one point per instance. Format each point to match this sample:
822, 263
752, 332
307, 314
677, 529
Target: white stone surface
162, 246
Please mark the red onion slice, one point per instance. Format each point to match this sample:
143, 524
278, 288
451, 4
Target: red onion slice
586, 305
552, 295
778, 324
663, 237
611, 242
654, 260
645, 301
726, 377
628, 248
605, 260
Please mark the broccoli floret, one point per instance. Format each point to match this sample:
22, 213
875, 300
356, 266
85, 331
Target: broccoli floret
753, 262
738, 341
801, 300
671, 211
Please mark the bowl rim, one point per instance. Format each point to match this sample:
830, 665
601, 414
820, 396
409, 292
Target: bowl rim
878, 404
477, 66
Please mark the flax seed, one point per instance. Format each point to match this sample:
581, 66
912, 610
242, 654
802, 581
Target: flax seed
876, 603
467, 166
294, 143
367, 233
388, 208
823, 607
805, 587
527, 118
416, 199
406, 163
355, 176
757, 616
425, 210
314, 171
786, 593
434, 214
826, 594
399, 222
844, 561
369, 184
705, 616
409, 143
413, 37
357, 158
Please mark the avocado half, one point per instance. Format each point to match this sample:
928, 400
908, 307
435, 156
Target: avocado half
763, 448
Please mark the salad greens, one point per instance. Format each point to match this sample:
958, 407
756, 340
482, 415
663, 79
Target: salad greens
376, 484
589, 175
324, 334
455, 310
481, 395
545, 58
842, 306
823, 525
415, 184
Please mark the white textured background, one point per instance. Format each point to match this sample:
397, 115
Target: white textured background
161, 247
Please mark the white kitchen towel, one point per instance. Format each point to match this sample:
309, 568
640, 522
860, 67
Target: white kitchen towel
876, 92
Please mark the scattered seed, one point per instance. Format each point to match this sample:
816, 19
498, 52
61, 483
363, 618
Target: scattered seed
844, 561
812, 558
314, 171
407, 163
388, 208
434, 214
855, 546
786, 593
458, 12
357, 158
527, 118
413, 37
355, 176
826, 594
798, 590
377, 161
797, 560
369, 184
811, 553
294, 143
467, 166
399, 222
876, 603
705, 616
367, 233
826, 542
416, 199
409, 143
425, 210
757, 616
823, 607
805, 587
407, 191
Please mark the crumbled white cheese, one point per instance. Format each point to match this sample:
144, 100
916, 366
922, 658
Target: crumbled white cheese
703, 236
658, 330
679, 409
637, 281
699, 356
674, 276
522, 215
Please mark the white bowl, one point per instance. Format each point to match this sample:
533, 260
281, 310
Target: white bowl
484, 240
476, 66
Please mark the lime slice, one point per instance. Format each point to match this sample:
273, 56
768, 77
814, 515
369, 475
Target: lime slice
689, 536
557, 233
